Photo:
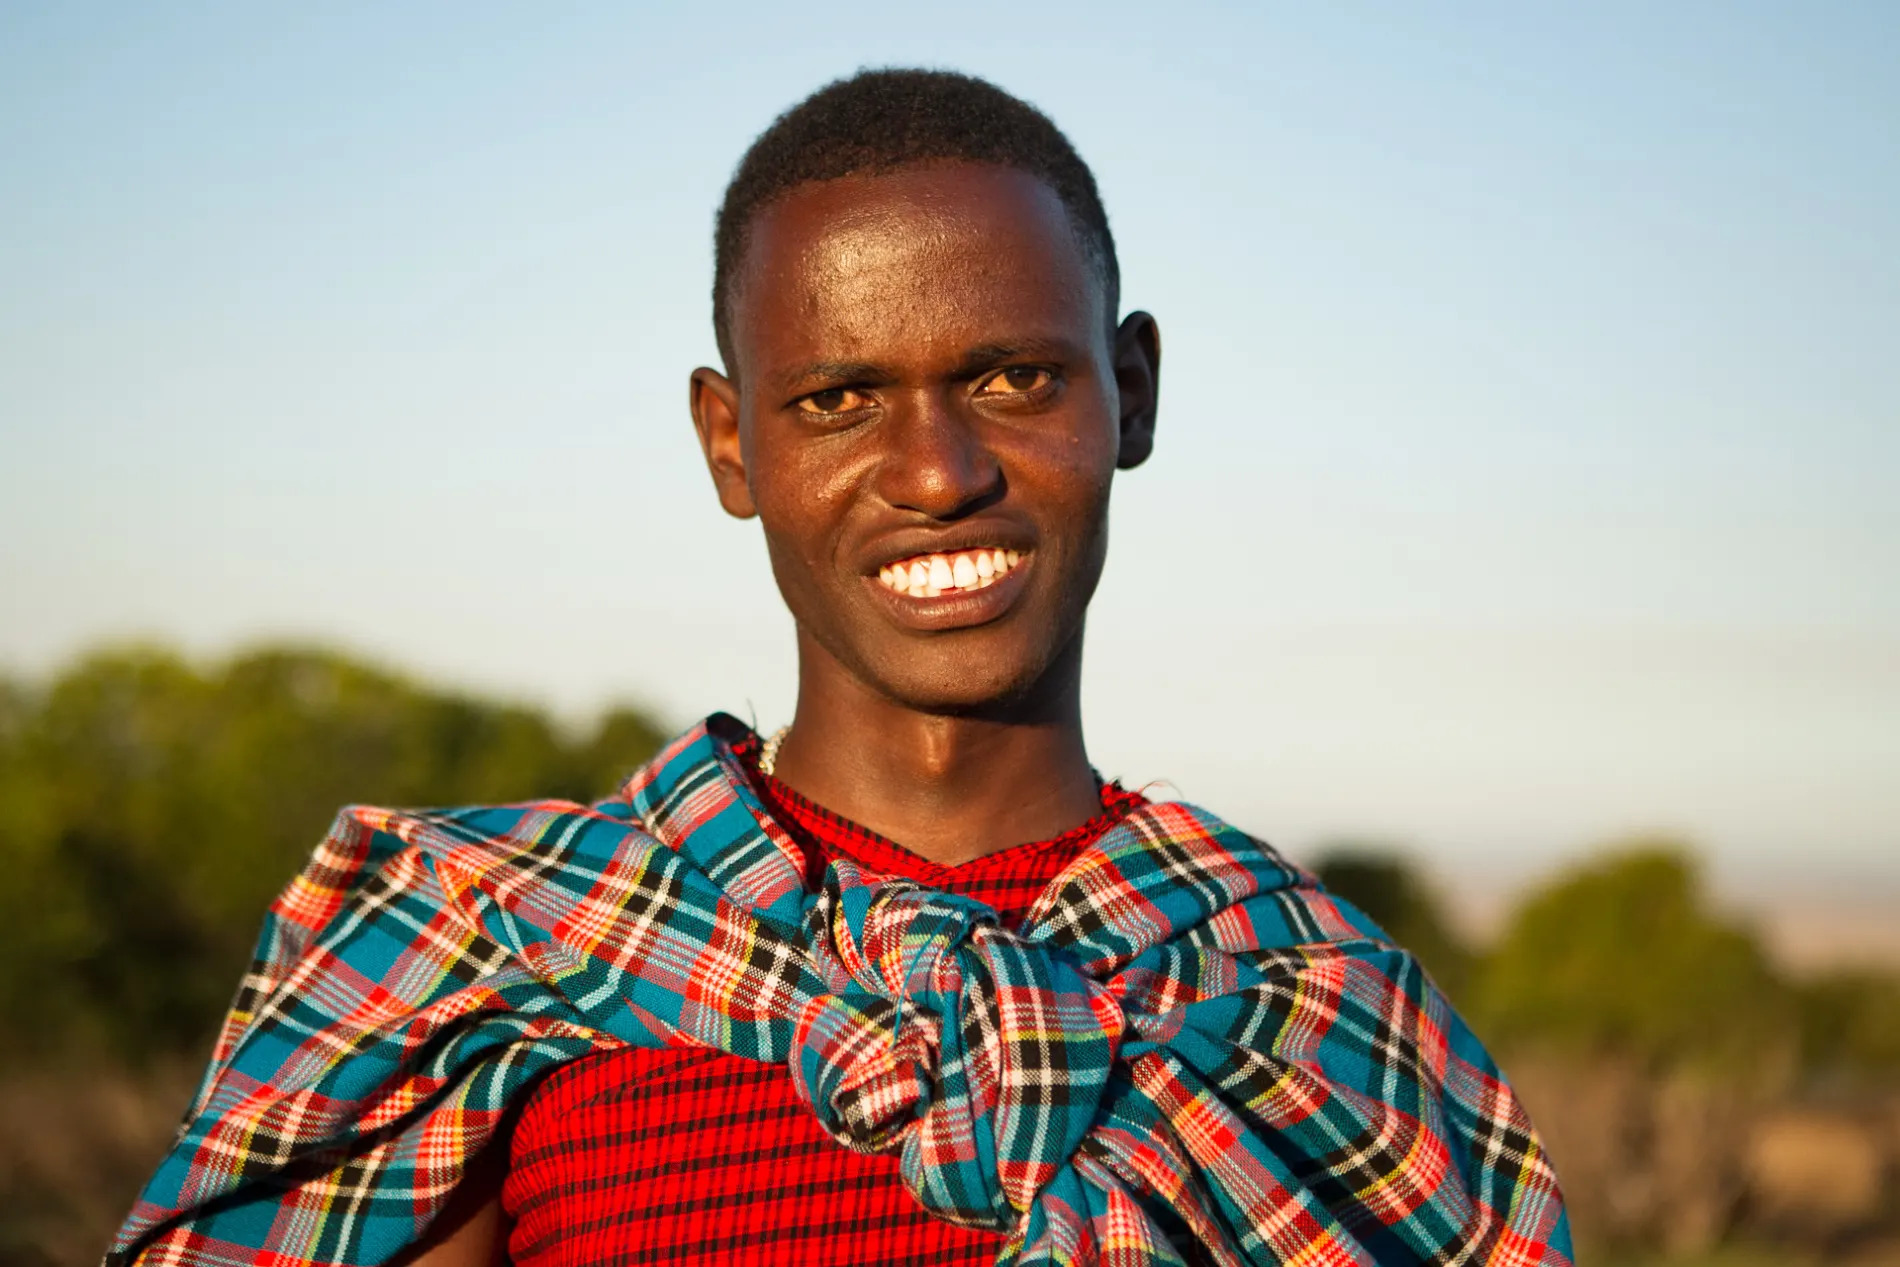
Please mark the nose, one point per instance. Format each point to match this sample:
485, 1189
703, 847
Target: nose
935, 460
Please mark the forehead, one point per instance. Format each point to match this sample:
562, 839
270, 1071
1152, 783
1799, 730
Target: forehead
911, 267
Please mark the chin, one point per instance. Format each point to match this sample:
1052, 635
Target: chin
943, 703
964, 681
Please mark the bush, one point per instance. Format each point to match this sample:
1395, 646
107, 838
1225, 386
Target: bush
1623, 955
1850, 1026
150, 810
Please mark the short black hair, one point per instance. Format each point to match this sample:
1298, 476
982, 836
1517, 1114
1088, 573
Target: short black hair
882, 120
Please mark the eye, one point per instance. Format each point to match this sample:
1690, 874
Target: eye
833, 400
1017, 380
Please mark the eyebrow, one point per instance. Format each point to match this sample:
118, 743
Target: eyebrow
973, 361
986, 356
840, 372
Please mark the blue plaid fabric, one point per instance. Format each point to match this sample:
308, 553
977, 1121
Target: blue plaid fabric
1188, 1040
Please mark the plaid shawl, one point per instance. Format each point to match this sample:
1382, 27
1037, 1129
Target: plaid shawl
1188, 1041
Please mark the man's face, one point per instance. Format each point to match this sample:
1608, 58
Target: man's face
927, 419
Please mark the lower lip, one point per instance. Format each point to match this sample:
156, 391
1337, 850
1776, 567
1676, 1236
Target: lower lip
959, 609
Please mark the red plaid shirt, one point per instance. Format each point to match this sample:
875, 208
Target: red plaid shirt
698, 1157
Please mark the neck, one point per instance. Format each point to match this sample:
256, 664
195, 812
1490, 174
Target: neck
948, 787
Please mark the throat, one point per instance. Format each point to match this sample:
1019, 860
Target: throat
952, 791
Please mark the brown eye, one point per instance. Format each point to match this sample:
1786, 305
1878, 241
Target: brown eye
833, 400
1016, 380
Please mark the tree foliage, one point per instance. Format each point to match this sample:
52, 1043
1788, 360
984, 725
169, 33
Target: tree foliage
1850, 1025
1624, 954
150, 809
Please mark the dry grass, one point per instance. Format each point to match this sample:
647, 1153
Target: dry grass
74, 1148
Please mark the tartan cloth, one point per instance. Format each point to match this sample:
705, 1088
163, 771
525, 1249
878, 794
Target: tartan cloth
1188, 1041
819, 833
695, 1158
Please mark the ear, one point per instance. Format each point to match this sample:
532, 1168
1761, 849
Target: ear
715, 404
1138, 376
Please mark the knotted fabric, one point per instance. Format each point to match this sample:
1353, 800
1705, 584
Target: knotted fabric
983, 1056
1189, 1043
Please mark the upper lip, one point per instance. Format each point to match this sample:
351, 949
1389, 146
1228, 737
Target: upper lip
909, 543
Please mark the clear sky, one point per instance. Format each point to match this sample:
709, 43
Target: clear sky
1530, 428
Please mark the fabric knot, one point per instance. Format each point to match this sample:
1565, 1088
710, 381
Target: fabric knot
981, 1055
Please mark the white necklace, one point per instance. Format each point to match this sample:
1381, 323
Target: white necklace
768, 755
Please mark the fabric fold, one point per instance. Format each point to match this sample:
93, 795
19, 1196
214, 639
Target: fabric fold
1189, 1039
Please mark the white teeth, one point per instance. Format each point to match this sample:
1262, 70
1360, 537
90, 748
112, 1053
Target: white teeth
929, 576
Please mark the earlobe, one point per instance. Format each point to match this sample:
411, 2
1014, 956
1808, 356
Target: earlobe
715, 405
1138, 378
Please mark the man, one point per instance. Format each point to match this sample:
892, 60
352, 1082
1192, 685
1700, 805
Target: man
906, 981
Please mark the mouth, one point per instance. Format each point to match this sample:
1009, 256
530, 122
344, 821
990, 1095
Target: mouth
955, 572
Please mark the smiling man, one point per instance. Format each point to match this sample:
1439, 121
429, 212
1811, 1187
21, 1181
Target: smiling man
907, 981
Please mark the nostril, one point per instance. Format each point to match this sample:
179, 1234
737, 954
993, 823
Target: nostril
941, 469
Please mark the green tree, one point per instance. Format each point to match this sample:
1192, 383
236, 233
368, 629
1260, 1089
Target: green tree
1850, 1026
150, 810
1624, 954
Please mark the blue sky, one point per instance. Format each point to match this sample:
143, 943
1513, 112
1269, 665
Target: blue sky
1530, 424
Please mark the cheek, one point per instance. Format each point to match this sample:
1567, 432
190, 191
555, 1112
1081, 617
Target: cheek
1070, 475
803, 503
1091, 441
1087, 477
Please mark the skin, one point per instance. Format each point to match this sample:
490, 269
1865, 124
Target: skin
923, 361
472, 1230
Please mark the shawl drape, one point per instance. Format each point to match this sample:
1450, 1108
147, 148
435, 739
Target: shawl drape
1189, 1042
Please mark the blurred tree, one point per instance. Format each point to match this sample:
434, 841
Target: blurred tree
1382, 883
622, 741
1850, 1026
1624, 955
149, 811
